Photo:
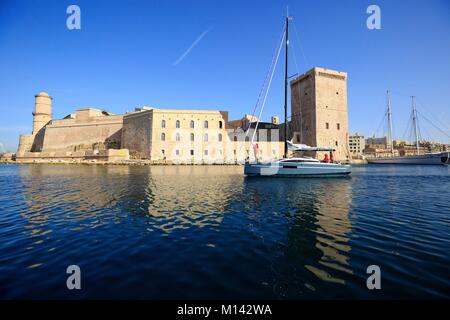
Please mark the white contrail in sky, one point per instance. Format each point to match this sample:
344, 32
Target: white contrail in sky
199, 38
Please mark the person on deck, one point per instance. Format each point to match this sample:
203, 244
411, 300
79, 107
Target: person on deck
325, 159
331, 157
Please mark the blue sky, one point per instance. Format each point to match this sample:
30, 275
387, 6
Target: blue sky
134, 53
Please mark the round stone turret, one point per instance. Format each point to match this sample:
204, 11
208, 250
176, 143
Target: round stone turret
42, 111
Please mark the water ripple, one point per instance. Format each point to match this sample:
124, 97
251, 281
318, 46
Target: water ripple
208, 232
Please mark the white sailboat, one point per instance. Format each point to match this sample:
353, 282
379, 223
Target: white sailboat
437, 158
299, 166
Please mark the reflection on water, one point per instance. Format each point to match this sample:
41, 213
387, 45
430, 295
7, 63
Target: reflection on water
315, 212
209, 232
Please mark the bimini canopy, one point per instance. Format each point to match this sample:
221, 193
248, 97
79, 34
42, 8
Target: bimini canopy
304, 147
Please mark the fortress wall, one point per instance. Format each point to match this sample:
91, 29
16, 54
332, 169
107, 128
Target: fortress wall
109, 155
80, 120
70, 134
25, 143
38, 140
136, 134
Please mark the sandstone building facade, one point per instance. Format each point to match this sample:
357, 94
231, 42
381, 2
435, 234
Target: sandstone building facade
319, 115
194, 136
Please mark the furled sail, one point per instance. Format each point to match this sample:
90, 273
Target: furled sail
304, 147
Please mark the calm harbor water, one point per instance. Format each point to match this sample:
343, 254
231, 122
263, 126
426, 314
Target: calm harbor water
209, 232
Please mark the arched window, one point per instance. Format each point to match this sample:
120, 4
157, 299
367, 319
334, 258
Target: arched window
163, 136
220, 124
177, 137
192, 137
220, 137
235, 138
206, 124
247, 139
163, 123
177, 124
205, 137
192, 124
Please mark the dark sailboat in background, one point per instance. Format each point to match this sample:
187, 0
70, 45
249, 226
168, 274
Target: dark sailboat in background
437, 158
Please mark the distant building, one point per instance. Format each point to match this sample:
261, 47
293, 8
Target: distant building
356, 145
400, 143
379, 142
242, 123
319, 114
409, 150
378, 150
433, 146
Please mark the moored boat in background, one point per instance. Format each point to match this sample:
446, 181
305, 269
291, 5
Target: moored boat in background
437, 158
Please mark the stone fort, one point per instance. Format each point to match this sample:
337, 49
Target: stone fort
318, 118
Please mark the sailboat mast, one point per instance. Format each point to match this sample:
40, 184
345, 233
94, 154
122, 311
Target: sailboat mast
416, 132
286, 89
390, 122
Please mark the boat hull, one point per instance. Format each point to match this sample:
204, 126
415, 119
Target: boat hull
442, 158
298, 170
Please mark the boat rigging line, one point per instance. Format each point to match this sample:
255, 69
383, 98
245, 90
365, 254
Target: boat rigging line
271, 66
268, 85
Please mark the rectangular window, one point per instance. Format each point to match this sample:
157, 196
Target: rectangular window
206, 152
327, 125
177, 152
338, 125
192, 152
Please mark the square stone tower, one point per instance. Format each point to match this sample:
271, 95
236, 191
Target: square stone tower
319, 111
